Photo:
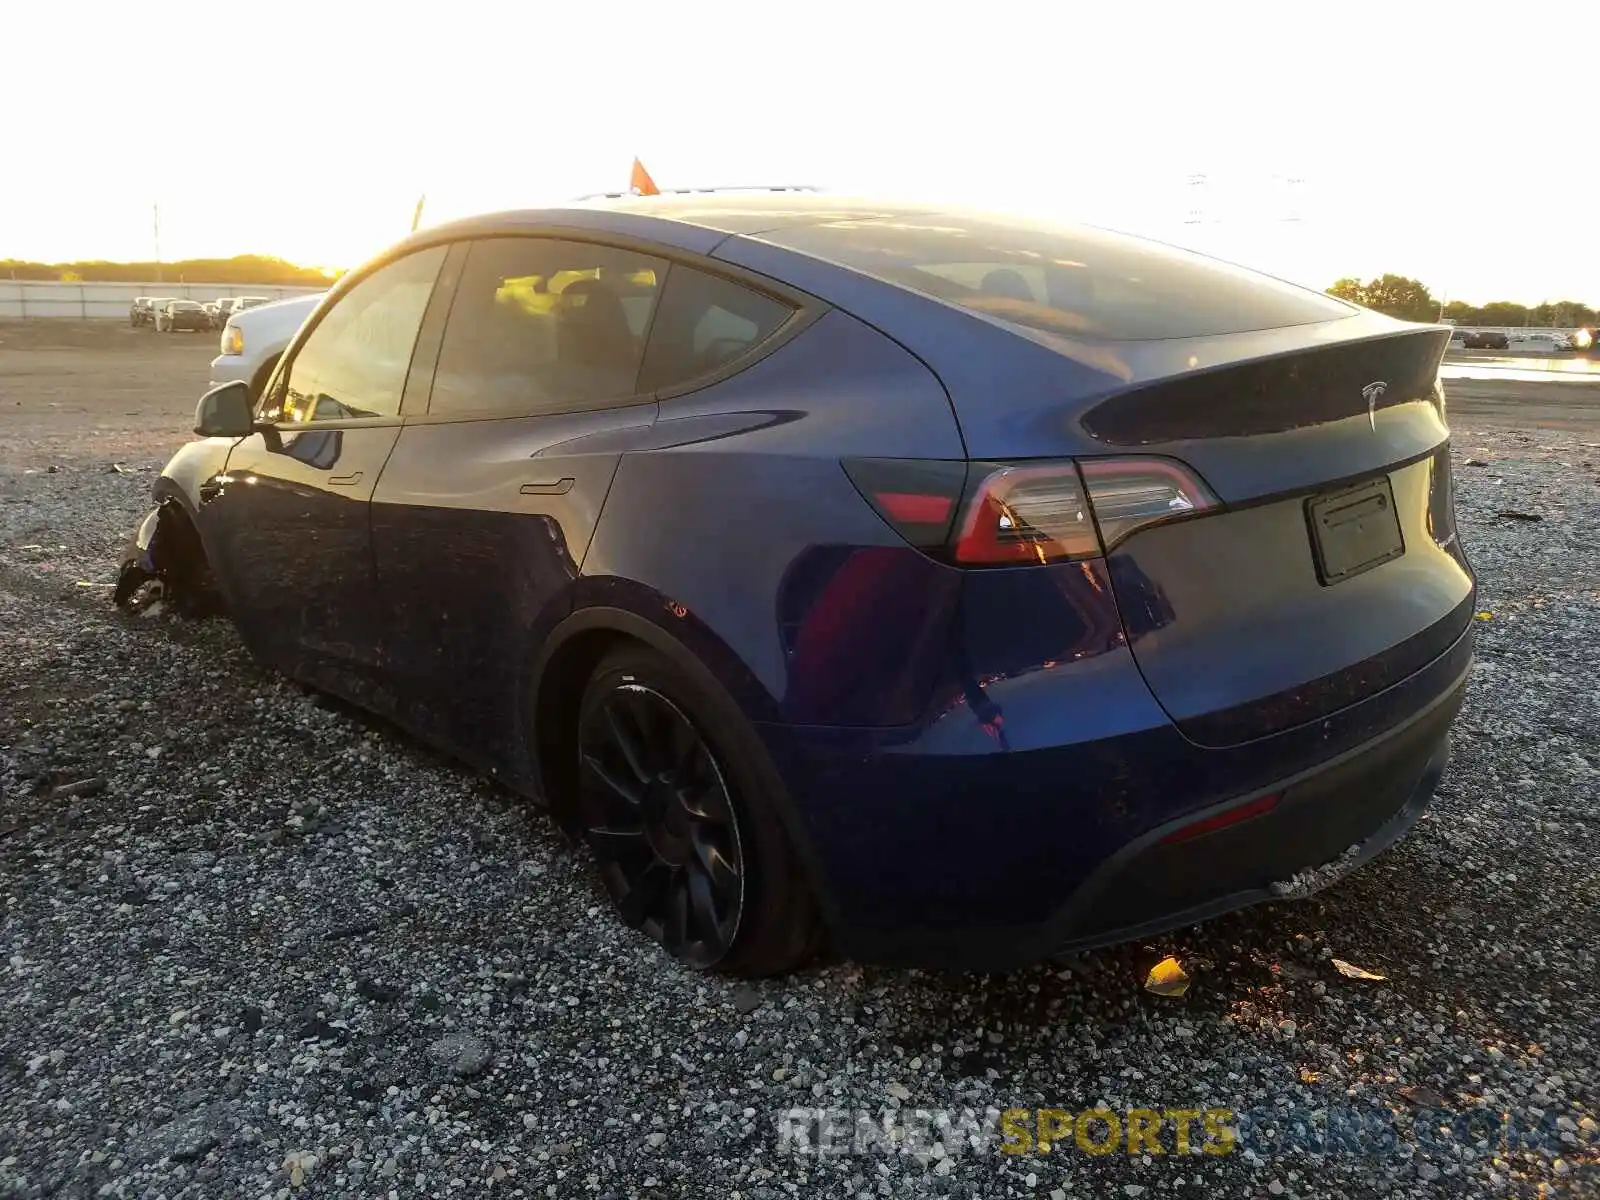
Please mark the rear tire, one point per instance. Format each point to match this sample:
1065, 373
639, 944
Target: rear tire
675, 804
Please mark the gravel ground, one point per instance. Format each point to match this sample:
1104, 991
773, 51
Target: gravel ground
259, 945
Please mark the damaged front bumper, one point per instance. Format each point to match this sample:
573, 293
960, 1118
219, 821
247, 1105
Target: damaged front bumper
164, 563
139, 563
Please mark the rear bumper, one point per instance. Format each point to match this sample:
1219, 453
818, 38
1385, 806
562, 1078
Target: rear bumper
1327, 822
933, 849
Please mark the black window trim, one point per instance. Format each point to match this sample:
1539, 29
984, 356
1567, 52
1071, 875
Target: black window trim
346, 284
805, 311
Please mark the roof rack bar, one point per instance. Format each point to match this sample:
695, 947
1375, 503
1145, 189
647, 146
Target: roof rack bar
695, 191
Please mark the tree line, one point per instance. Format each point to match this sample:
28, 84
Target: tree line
257, 269
1410, 300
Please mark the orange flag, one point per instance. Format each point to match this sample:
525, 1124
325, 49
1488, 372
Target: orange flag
641, 181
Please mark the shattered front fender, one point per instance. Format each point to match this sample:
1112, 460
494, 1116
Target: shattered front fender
138, 559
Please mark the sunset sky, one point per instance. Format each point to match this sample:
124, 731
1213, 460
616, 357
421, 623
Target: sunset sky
1402, 136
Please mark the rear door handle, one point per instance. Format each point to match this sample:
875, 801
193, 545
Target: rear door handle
345, 480
554, 487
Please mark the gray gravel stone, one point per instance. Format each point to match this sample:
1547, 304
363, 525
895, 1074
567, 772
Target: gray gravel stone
365, 1059
461, 1053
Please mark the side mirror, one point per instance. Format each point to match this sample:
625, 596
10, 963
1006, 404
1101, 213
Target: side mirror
225, 411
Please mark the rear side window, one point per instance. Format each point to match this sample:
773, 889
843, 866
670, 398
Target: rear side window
543, 325
705, 322
1073, 281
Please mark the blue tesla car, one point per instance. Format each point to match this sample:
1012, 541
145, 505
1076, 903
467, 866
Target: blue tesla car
955, 589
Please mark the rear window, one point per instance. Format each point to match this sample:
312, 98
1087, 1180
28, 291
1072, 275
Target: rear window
1072, 281
704, 323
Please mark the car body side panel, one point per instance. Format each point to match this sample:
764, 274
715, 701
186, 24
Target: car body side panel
721, 518
479, 528
286, 532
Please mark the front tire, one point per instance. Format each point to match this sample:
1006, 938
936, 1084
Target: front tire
676, 807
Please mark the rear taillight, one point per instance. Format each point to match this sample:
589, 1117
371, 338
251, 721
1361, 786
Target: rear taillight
1129, 494
987, 514
1033, 513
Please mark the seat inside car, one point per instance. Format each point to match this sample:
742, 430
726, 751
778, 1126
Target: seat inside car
591, 326
1007, 284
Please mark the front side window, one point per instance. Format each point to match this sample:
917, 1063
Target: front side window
354, 363
705, 322
543, 325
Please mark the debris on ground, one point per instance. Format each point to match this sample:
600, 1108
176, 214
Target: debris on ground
1167, 978
92, 786
1422, 1096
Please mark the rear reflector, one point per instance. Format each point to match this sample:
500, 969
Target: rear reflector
1233, 816
909, 508
918, 497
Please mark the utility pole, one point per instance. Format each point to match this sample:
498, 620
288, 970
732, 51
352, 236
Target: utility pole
155, 226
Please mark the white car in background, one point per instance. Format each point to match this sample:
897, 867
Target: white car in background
254, 338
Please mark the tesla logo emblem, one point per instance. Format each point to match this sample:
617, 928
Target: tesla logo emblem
1372, 392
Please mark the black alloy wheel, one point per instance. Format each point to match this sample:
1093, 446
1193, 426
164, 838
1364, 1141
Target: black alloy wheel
659, 816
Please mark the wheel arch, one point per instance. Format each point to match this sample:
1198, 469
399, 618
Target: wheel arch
167, 490
263, 374
568, 657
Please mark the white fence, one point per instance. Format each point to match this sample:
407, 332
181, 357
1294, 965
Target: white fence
28, 299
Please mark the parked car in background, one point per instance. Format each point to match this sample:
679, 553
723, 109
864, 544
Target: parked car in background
139, 311
1486, 340
867, 569
254, 337
182, 314
153, 307
214, 314
1543, 339
229, 305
